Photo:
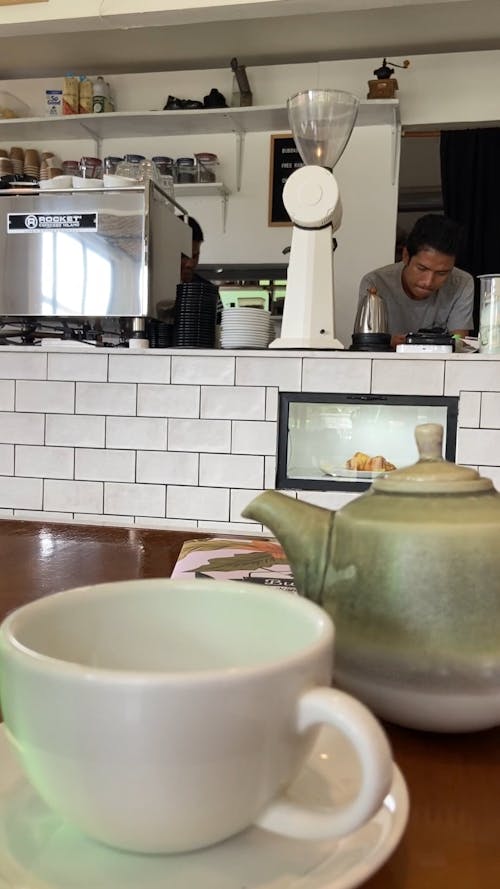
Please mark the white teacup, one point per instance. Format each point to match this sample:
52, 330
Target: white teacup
166, 715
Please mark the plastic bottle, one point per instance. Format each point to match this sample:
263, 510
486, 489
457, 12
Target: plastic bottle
99, 95
109, 104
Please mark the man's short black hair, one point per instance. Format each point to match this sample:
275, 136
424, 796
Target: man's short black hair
196, 229
437, 232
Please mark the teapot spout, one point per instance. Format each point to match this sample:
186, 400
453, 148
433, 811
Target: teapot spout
305, 533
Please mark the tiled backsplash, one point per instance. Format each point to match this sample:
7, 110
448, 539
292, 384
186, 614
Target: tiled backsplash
187, 440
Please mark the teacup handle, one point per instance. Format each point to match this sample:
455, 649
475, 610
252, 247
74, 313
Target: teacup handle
331, 707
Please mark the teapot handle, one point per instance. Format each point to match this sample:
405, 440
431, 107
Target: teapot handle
365, 734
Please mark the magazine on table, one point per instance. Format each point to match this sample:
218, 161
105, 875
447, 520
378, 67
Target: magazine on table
253, 560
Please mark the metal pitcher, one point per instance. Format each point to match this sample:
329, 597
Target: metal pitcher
371, 316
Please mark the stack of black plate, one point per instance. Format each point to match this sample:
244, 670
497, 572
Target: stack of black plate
371, 342
195, 315
160, 334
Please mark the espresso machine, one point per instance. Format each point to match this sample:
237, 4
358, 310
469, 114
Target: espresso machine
90, 255
322, 122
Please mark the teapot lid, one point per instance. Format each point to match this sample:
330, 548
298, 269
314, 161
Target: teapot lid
432, 474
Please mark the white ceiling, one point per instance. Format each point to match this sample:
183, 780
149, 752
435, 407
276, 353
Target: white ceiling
403, 29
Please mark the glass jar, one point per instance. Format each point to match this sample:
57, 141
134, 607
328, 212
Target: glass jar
111, 163
71, 168
148, 170
91, 168
127, 170
134, 158
207, 163
185, 170
164, 165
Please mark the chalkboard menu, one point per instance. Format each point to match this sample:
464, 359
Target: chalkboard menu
284, 159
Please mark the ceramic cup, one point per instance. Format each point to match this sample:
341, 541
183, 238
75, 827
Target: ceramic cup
166, 715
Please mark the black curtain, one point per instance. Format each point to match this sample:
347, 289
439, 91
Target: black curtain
470, 178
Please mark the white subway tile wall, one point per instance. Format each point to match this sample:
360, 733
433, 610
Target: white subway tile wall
77, 367
22, 493
105, 519
165, 467
233, 402
118, 399
104, 465
6, 459
492, 472
469, 373
76, 429
186, 441
44, 462
270, 472
145, 500
286, 373
41, 396
272, 393
137, 433
139, 369
343, 375
168, 401
254, 437
44, 515
199, 435
469, 409
7, 390
23, 365
478, 446
166, 524
73, 496
197, 503
490, 410
234, 471
22, 428
411, 377
203, 371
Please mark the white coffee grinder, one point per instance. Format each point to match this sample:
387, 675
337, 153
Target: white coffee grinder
321, 122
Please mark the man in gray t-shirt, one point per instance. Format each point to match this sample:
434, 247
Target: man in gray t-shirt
425, 289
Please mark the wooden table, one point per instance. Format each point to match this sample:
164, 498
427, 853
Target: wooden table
453, 837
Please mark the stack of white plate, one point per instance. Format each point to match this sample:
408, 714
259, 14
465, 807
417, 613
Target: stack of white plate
245, 328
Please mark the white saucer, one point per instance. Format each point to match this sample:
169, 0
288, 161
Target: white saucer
38, 851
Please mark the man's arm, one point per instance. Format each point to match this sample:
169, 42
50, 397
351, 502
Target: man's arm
398, 339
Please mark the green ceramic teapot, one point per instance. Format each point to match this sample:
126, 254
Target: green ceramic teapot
410, 573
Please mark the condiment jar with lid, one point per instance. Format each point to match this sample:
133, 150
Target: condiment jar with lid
207, 163
110, 163
164, 165
185, 170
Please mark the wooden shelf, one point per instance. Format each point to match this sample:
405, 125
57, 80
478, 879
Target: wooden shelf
122, 124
